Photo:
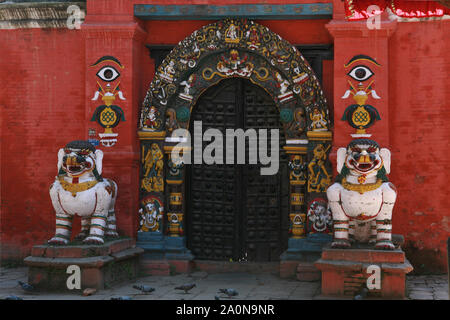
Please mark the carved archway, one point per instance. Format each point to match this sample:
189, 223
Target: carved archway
224, 49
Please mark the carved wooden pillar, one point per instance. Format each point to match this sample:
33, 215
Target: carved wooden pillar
319, 179
175, 194
152, 204
297, 190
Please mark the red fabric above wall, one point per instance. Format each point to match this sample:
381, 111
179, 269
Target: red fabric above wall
358, 9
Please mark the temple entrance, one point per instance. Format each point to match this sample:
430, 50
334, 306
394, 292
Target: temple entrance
234, 212
233, 74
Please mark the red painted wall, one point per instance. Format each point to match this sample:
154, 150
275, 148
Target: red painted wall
42, 108
419, 111
43, 105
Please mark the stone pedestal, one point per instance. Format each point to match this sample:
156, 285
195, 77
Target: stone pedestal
345, 272
101, 265
164, 255
298, 260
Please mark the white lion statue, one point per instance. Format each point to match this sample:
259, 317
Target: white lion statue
362, 198
79, 189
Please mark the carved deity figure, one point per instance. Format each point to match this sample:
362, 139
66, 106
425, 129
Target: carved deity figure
79, 189
298, 170
153, 166
319, 178
281, 83
362, 198
169, 72
319, 217
318, 122
151, 215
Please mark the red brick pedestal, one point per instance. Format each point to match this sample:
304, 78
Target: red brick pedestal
101, 266
344, 272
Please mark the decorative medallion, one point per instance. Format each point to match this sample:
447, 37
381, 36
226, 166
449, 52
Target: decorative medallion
183, 114
286, 115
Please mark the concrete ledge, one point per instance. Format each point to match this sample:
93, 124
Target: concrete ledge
93, 262
80, 251
37, 14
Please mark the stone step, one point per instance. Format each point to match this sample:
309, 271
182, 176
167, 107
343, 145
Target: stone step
154, 267
241, 267
307, 271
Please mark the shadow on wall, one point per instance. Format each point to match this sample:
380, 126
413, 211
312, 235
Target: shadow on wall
425, 261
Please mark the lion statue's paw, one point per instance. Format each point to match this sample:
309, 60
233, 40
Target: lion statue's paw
56, 241
112, 235
341, 244
385, 245
93, 240
81, 236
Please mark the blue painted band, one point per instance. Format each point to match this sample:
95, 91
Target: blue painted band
249, 11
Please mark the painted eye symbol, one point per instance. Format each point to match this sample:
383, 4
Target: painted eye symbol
108, 73
360, 73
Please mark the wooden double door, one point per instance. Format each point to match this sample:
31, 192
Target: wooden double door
234, 212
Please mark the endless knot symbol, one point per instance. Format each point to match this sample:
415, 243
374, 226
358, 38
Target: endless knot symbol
360, 116
108, 116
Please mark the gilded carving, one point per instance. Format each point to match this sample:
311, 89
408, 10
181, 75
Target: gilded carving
152, 162
229, 48
175, 228
318, 176
297, 168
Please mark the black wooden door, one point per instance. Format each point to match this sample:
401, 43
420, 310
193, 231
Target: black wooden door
234, 212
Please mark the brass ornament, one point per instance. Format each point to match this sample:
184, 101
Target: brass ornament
361, 188
74, 188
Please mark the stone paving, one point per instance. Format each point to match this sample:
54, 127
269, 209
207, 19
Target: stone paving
249, 286
433, 287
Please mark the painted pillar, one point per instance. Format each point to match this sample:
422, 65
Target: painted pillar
112, 105
297, 190
360, 64
152, 204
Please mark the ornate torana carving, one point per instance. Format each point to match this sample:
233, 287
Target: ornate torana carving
230, 48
